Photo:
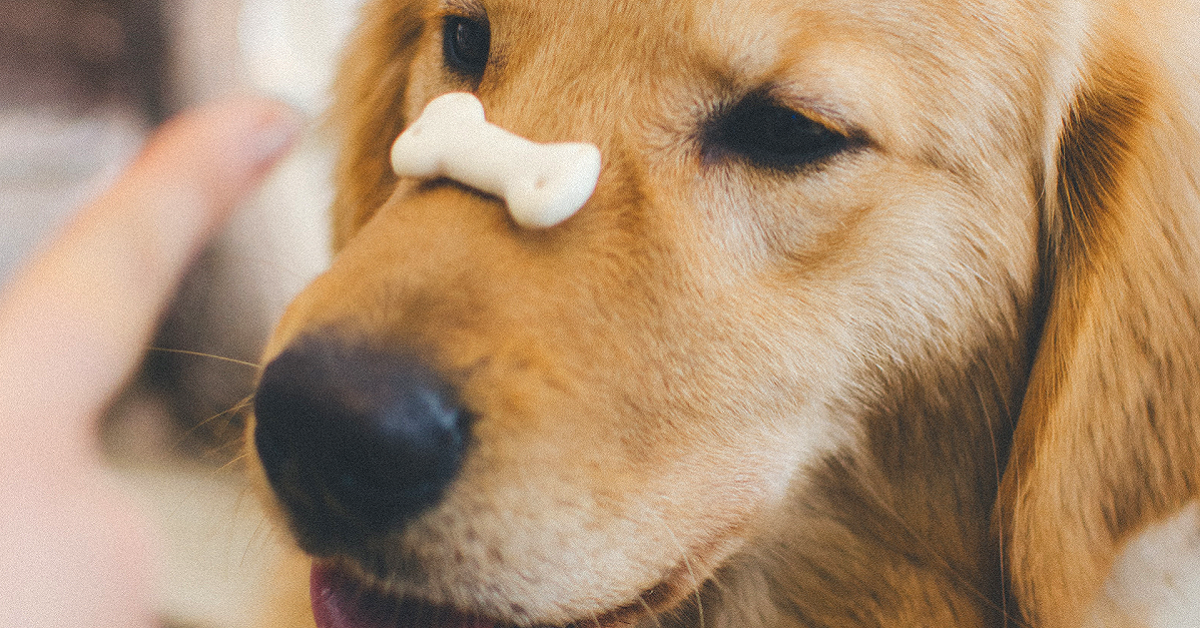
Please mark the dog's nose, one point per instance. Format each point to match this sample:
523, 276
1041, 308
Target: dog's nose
353, 440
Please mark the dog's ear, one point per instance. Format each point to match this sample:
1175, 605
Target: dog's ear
368, 109
1108, 438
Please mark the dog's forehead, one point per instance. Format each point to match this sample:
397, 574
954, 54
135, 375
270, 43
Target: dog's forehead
915, 45
766, 28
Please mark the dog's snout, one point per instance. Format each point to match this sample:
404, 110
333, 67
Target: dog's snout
354, 440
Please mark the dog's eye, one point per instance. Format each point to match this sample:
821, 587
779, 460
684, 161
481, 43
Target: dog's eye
466, 44
772, 136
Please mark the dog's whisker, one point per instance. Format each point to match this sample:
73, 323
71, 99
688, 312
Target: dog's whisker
687, 563
263, 523
650, 612
215, 451
228, 466
242, 496
987, 416
941, 559
232, 411
211, 356
997, 381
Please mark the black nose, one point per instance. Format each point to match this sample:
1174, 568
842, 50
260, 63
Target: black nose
355, 441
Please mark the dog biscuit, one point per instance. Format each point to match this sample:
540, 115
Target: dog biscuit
542, 184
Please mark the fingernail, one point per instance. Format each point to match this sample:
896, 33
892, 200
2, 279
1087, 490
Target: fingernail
276, 131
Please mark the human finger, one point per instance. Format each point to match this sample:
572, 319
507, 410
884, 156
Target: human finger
75, 321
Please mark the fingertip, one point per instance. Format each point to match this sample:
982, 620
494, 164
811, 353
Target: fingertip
274, 127
199, 166
228, 145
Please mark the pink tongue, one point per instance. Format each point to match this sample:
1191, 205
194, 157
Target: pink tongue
339, 601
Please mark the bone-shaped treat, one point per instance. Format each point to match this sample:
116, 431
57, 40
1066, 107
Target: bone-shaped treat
543, 184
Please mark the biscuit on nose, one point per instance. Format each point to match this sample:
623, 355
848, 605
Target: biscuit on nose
542, 184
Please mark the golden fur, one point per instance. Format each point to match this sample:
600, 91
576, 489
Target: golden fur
937, 381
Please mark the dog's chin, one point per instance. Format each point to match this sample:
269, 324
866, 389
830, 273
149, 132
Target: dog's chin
342, 600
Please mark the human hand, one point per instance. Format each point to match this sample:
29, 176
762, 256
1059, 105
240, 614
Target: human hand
74, 551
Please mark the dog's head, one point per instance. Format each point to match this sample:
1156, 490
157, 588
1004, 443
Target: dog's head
772, 367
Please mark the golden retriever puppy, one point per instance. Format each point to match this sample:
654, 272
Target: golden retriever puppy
883, 313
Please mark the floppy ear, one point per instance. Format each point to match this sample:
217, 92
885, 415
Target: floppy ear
368, 110
1108, 439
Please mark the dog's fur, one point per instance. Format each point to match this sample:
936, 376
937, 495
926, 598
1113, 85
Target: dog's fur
936, 381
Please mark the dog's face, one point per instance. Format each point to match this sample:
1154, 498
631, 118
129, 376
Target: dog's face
804, 207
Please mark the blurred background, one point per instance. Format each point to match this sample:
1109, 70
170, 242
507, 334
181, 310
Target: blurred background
82, 83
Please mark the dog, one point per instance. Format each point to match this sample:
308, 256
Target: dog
882, 313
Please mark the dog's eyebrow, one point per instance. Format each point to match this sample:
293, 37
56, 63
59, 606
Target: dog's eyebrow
741, 50
472, 8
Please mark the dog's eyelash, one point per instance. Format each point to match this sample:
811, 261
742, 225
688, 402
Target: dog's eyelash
466, 45
770, 135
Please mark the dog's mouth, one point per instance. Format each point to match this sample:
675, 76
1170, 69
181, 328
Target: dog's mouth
341, 600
